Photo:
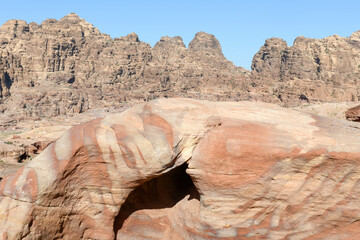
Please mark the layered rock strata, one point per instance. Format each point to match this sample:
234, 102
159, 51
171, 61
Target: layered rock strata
310, 70
67, 66
246, 170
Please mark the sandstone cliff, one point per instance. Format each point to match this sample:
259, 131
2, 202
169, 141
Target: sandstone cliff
68, 66
187, 169
311, 69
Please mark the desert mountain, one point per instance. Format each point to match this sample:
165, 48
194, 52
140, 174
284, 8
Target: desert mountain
312, 69
68, 66
174, 168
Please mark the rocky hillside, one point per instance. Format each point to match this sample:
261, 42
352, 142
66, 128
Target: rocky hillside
68, 66
312, 69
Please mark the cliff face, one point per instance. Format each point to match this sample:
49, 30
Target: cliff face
68, 66
312, 69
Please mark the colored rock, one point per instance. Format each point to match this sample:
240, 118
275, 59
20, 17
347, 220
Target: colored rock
353, 114
188, 169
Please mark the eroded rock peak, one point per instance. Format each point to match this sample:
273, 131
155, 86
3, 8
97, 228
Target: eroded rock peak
167, 41
71, 18
204, 42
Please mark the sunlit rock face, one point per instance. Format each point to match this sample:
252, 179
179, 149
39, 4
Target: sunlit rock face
188, 169
310, 70
67, 66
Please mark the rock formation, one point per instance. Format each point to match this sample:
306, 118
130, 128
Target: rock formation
188, 169
312, 69
328, 109
68, 66
353, 114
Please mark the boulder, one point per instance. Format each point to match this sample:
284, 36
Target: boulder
188, 169
353, 114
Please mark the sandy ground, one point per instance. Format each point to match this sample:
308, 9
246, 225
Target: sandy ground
331, 110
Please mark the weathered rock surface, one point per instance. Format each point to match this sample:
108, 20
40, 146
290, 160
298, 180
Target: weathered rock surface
23, 142
353, 114
310, 70
331, 110
67, 66
257, 171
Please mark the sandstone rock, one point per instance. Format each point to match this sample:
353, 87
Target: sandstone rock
330, 110
9, 152
257, 171
321, 69
353, 114
66, 66
205, 42
38, 147
29, 137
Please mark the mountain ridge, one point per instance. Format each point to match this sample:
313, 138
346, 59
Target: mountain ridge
67, 66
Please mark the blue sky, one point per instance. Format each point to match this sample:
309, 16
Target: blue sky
241, 26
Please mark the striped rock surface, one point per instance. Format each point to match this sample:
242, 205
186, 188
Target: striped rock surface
257, 171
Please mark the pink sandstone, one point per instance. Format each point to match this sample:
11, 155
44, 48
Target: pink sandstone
257, 171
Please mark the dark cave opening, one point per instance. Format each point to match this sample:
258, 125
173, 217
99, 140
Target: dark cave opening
158, 193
